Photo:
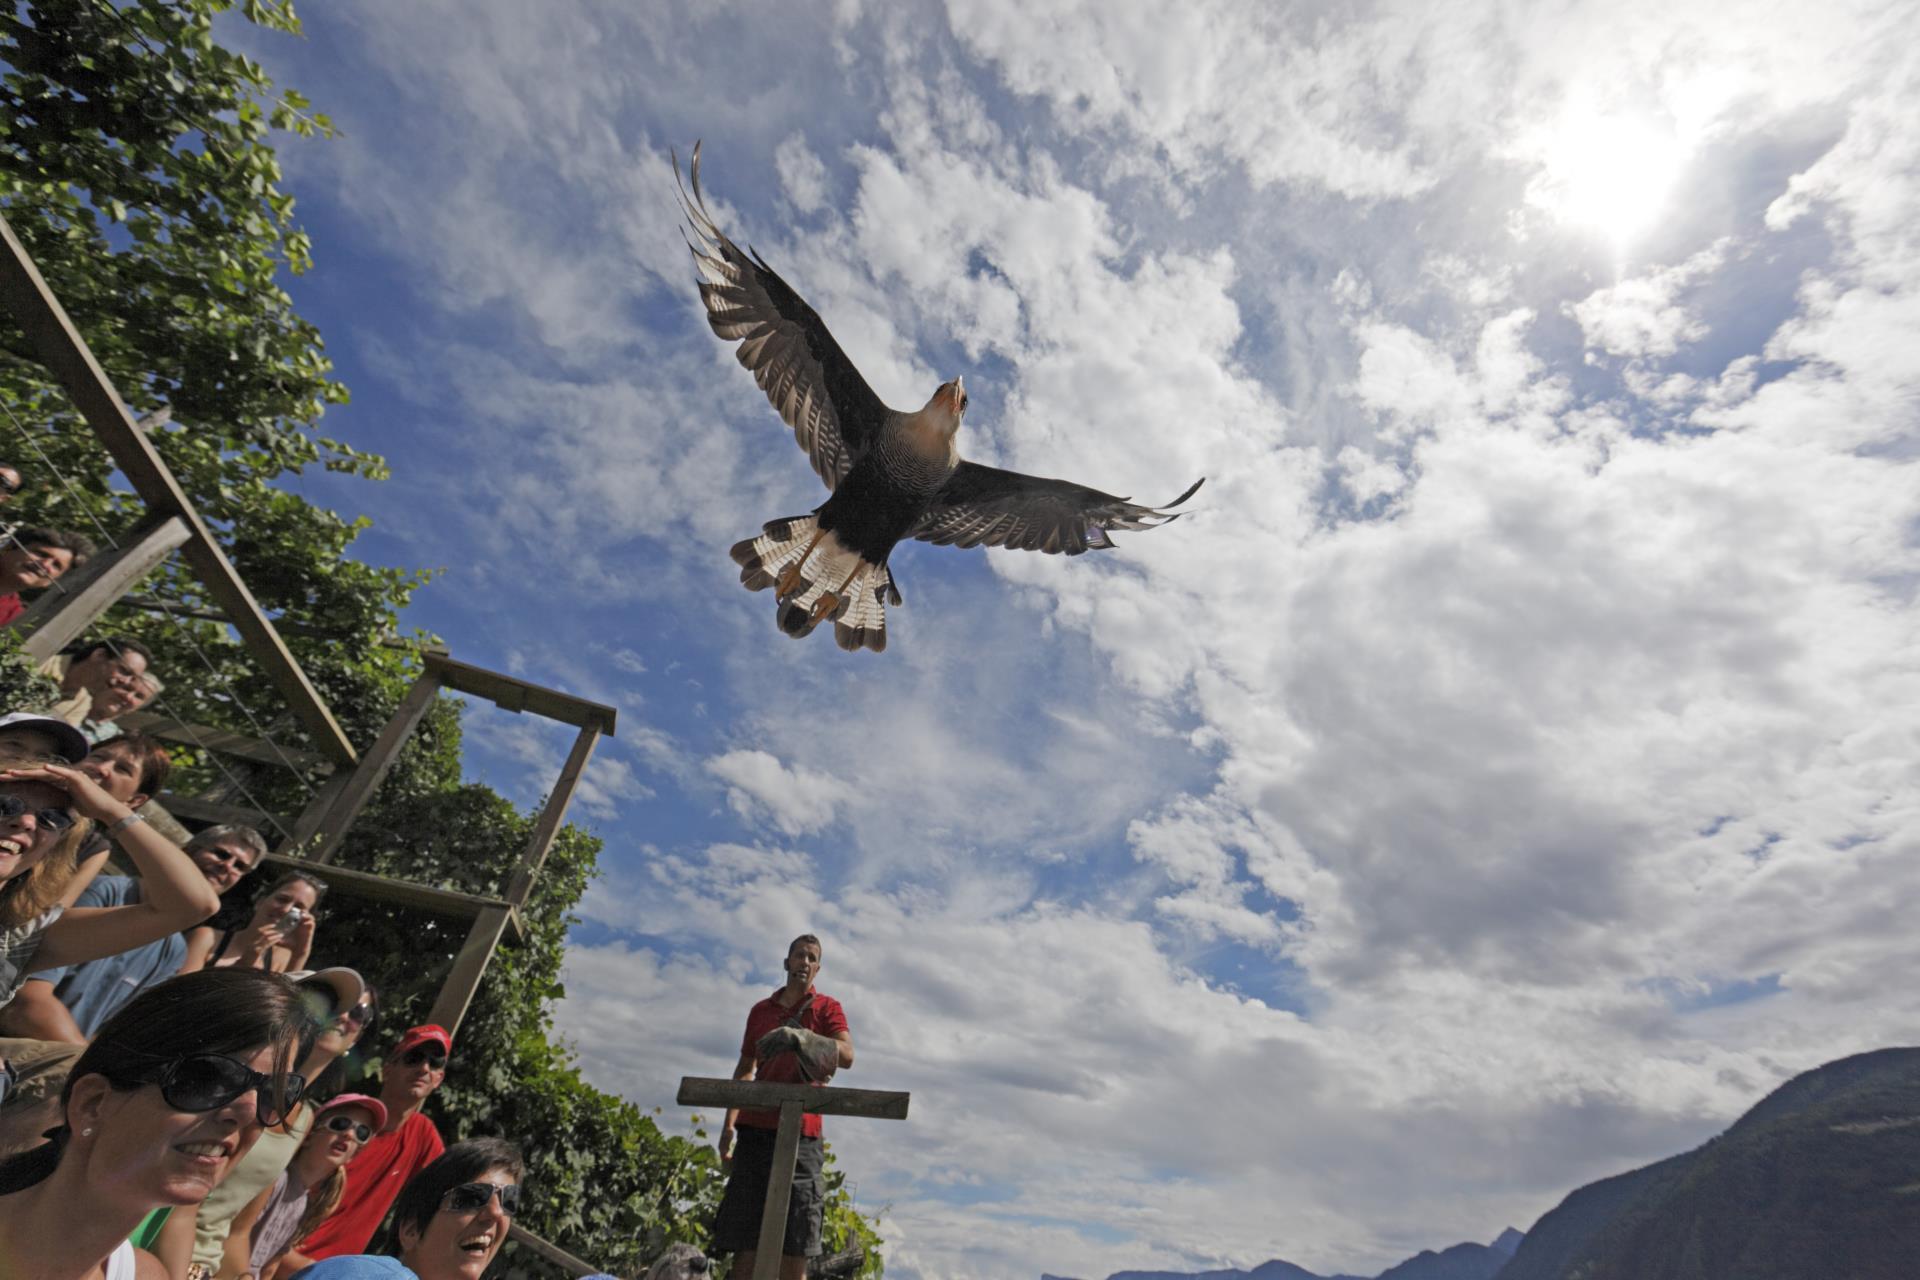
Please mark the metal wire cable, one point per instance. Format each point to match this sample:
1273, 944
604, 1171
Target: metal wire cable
166, 610
232, 694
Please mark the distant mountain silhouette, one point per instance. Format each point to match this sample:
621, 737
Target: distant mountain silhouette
1819, 1180
1461, 1262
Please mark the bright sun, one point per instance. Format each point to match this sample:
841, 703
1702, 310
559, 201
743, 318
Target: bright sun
1611, 174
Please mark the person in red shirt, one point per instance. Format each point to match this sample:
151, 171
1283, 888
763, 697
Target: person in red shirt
406, 1144
796, 1035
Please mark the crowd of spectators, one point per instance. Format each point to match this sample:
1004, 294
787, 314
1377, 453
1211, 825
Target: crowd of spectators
176, 1098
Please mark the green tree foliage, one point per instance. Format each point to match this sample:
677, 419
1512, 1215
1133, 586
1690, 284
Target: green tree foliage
137, 166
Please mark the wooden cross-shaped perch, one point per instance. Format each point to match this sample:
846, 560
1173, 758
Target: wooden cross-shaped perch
792, 1101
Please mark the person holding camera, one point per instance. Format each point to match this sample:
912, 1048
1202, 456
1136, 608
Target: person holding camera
279, 937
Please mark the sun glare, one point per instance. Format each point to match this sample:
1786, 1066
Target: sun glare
1610, 174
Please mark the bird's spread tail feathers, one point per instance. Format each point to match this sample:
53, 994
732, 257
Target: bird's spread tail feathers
815, 578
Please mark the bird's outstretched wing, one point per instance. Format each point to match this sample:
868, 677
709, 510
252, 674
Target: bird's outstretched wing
1030, 513
784, 342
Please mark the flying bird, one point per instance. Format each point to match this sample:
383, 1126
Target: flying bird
894, 475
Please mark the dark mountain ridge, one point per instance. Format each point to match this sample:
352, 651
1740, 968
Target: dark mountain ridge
1819, 1180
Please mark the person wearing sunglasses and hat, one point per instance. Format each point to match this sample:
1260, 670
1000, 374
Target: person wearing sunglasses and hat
406, 1144
343, 1006
310, 1189
449, 1221
173, 1090
46, 813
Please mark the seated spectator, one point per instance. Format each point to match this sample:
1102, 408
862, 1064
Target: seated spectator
69, 1004
132, 768
280, 934
405, 1145
33, 559
9, 482
170, 1092
102, 681
347, 1008
227, 854
301, 1198
449, 1221
24, 734
46, 811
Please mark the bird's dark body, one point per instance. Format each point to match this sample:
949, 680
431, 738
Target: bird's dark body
893, 476
879, 504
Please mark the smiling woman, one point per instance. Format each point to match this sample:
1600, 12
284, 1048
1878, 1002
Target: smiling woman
450, 1220
171, 1092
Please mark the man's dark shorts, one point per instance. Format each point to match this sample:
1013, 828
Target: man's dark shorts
738, 1225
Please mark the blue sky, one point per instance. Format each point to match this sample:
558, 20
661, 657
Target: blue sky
1351, 868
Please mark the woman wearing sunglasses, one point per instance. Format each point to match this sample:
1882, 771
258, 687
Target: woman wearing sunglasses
204, 1235
306, 1193
46, 811
449, 1222
172, 1090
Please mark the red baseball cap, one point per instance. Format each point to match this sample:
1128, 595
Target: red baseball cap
374, 1106
425, 1034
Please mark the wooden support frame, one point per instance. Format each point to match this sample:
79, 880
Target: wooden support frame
225, 741
66, 355
552, 815
793, 1102
470, 966
60, 616
373, 769
548, 1250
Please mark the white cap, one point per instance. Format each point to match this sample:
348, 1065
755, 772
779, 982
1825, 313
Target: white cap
70, 742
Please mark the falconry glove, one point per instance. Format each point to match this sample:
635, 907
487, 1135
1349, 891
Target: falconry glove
819, 1055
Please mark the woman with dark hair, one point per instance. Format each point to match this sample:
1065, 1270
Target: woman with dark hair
173, 1089
46, 812
279, 937
449, 1222
348, 1010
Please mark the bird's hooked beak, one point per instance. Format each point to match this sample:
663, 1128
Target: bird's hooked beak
956, 397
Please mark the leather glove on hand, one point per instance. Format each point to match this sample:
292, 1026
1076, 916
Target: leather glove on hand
819, 1055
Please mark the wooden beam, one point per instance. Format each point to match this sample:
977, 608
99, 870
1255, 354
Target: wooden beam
59, 617
208, 811
469, 967
404, 893
307, 825
552, 815
65, 354
551, 1252
518, 695
773, 1215
372, 770
225, 741
756, 1095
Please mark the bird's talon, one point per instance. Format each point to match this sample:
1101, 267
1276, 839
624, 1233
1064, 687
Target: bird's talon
825, 605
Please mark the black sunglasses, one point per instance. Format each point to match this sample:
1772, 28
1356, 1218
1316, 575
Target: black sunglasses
209, 1081
9, 486
51, 817
360, 1013
414, 1057
469, 1196
341, 1124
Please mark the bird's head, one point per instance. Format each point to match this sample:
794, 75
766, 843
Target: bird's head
949, 403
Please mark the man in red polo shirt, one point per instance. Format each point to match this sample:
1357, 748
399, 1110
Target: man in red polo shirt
407, 1144
796, 1035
